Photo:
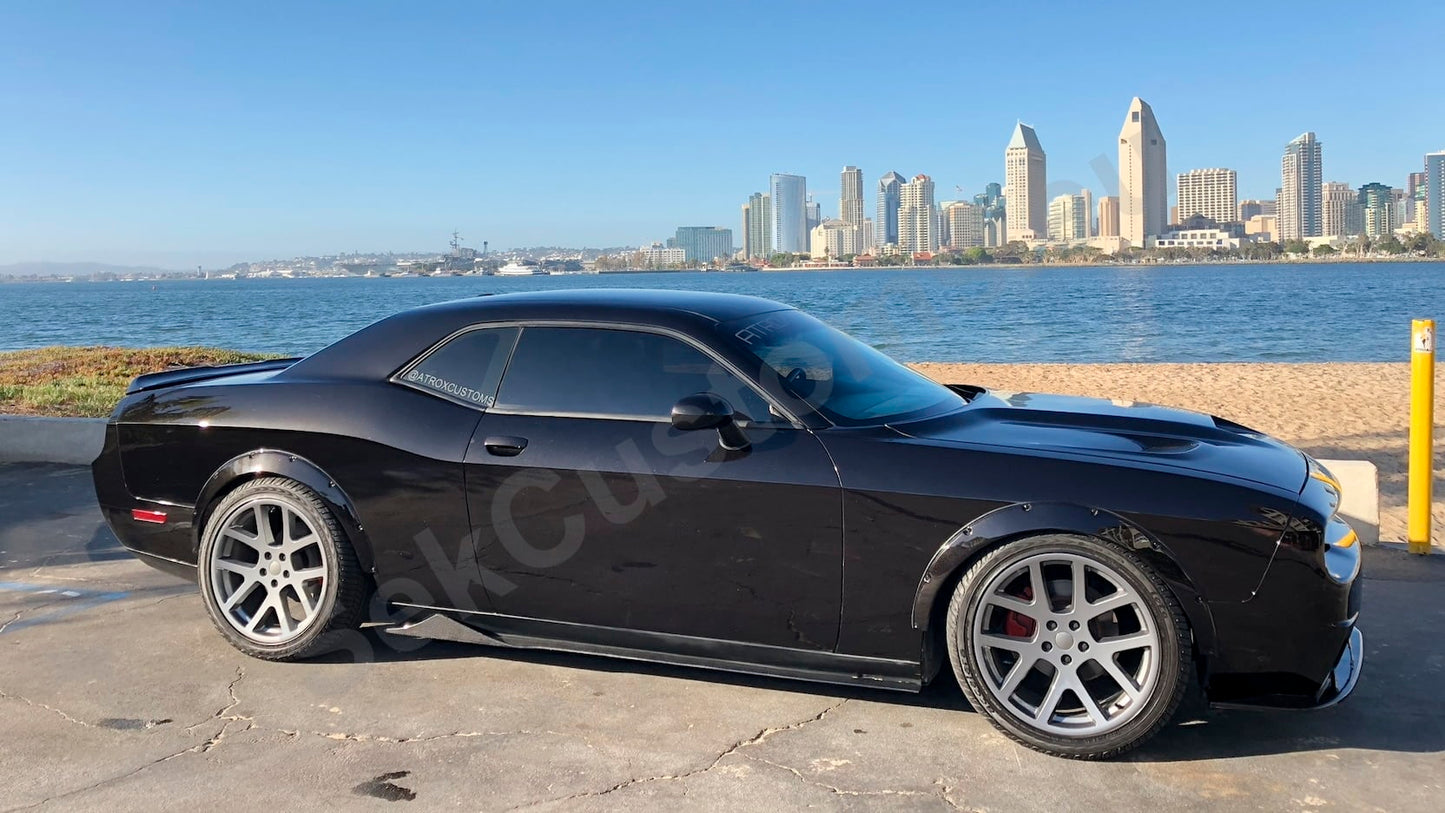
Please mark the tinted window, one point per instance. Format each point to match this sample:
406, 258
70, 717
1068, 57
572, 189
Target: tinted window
467, 368
847, 381
590, 371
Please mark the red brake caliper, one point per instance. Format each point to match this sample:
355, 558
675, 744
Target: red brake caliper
1016, 625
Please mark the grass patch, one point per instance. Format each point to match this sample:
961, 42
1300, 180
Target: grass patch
86, 382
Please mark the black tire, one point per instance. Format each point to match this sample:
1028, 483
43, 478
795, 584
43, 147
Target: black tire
1145, 716
340, 598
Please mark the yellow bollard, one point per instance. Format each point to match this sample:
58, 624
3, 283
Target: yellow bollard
1422, 431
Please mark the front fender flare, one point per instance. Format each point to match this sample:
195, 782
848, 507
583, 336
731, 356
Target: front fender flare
1033, 519
280, 463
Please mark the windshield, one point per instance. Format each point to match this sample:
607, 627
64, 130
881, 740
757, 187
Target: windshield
845, 380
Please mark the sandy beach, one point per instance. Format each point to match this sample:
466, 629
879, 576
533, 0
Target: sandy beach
1341, 411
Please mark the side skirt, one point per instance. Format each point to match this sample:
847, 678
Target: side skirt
492, 629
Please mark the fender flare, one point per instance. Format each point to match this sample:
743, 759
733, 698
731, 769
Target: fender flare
1034, 519
280, 463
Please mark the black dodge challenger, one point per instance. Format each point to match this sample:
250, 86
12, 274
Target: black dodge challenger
724, 481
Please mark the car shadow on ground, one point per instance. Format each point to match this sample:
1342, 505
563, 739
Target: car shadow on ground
1394, 707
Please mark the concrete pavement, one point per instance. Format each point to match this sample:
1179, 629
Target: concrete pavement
115, 692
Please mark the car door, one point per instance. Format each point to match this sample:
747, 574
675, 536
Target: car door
594, 510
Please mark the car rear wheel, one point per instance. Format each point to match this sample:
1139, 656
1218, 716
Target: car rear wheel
1071, 645
277, 574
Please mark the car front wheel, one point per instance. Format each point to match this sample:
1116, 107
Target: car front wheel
1071, 645
277, 574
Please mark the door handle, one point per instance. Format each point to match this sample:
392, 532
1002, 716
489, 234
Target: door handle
505, 445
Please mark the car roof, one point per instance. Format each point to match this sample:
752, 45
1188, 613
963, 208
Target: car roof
620, 303
381, 348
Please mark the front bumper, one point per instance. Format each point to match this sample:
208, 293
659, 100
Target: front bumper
1345, 674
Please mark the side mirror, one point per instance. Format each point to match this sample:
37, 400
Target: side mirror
704, 410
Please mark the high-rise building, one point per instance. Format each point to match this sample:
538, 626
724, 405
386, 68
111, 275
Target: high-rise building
885, 226
790, 213
1109, 216
758, 226
703, 244
1381, 213
1435, 193
965, 224
991, 201
1340, 212
917, 216
832, 239
1143, 175
815, 213
1301, 173
1069, 218
1209, 192
850, 200
1415, 185
1026, 175
1255, 208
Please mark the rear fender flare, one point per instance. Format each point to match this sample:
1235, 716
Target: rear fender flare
1033, 519
279, 463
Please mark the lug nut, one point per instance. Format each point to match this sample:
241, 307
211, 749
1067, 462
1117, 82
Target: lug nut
1048, 646
1073, 625
1083, 646
1052, 625
1066, 659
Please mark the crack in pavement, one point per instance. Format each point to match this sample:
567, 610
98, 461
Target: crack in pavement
941, 792
757, 739
214, 740
27, 701
341, 736
23, 611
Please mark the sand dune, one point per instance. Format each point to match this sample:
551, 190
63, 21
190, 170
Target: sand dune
1349, 411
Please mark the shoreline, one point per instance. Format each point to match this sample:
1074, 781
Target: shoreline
184, 276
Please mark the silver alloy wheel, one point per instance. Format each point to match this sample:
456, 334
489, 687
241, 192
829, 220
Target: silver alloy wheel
1073, 668
268, 570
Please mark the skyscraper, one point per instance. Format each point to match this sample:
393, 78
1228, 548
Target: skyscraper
815, 213
1301, 172
1435, 193
1109, 216
790, 213
1069, 218
917, 216
703, 244
1143, 175
1252, 208
1026, 175
758, 226
1340, 212
965, 224
885, 226
850, 200
1381, 216
1209, 192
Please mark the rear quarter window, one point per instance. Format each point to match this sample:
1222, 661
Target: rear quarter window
466, 369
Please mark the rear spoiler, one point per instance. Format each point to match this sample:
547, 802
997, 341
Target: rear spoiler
186, 375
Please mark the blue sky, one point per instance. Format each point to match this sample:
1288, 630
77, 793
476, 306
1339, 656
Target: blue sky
179, 134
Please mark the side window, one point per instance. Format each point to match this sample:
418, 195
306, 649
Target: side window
467, 368
618, 373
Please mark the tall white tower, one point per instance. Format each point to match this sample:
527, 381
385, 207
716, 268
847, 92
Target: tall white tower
1143, 175
1026, 209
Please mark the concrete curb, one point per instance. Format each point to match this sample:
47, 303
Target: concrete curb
25, 439
1359, 497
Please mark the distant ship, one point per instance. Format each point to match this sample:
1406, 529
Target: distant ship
516, 268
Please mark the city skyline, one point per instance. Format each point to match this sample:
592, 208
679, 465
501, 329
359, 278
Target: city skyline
200, 135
